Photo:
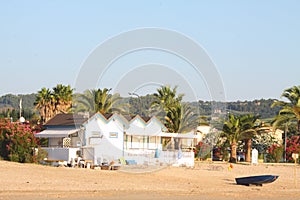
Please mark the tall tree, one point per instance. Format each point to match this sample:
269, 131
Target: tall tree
50, 102
178, 117
232, 134
181, 119
62, 98
165, 99
98, 100
43, 103
290, 111
250, 127
238, 128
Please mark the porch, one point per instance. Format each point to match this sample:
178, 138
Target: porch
63, 144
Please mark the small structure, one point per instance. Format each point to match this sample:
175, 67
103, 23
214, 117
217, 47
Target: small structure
254, 159
64, 136
202, 131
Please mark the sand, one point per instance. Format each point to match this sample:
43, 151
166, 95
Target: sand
204, 181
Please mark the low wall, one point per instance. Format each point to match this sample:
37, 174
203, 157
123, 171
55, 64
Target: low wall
174, 158
58, 153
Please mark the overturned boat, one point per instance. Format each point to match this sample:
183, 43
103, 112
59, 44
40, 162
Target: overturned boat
256, 180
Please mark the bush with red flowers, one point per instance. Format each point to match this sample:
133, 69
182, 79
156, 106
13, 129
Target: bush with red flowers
202, 150
275, 153
17, 142
292, 146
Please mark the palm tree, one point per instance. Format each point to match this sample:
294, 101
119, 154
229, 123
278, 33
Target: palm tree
103, 100
43, 103
250, 127
97, 100
178, 117
84, 102
231, 131
49, 103
238, 128
166, 98
62, 98
290, 111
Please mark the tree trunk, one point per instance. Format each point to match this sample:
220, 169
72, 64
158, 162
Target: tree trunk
248, 151
233, 153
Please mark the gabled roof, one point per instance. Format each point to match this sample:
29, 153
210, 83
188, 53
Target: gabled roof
60, 120
107, 115
126, 118
66, 120
132, 117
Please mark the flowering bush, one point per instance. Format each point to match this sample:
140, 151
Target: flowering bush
202, 150
263, 142
275, 153
292, 146
17, 142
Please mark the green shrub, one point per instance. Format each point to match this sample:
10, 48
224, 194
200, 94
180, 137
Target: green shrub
17, 142
275, 153
41, 154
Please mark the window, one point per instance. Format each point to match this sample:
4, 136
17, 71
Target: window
96, 133
113, 135
135, 139
152, 139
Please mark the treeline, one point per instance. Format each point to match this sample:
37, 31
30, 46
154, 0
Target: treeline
261, 107
12, 101
9, 106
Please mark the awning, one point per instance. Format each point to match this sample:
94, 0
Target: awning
56, 133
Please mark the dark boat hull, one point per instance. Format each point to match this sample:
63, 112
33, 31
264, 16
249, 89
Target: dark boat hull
256, 180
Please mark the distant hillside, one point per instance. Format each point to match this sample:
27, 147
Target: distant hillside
260, 107
12, 101
9, 106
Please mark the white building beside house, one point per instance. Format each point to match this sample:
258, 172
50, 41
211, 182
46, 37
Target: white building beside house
112, 137
202, 131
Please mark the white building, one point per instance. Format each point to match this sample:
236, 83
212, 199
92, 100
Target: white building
112, 137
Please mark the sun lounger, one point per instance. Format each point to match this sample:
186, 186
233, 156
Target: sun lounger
131, 162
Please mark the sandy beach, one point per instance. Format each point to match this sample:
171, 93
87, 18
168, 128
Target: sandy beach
204, 181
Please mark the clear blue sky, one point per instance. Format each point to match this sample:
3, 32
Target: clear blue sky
254, 44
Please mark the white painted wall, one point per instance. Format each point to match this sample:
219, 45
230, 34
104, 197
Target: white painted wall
105, 137
65, 154
105, 140
55, 142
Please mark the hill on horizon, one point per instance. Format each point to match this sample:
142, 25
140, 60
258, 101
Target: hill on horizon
260, 107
